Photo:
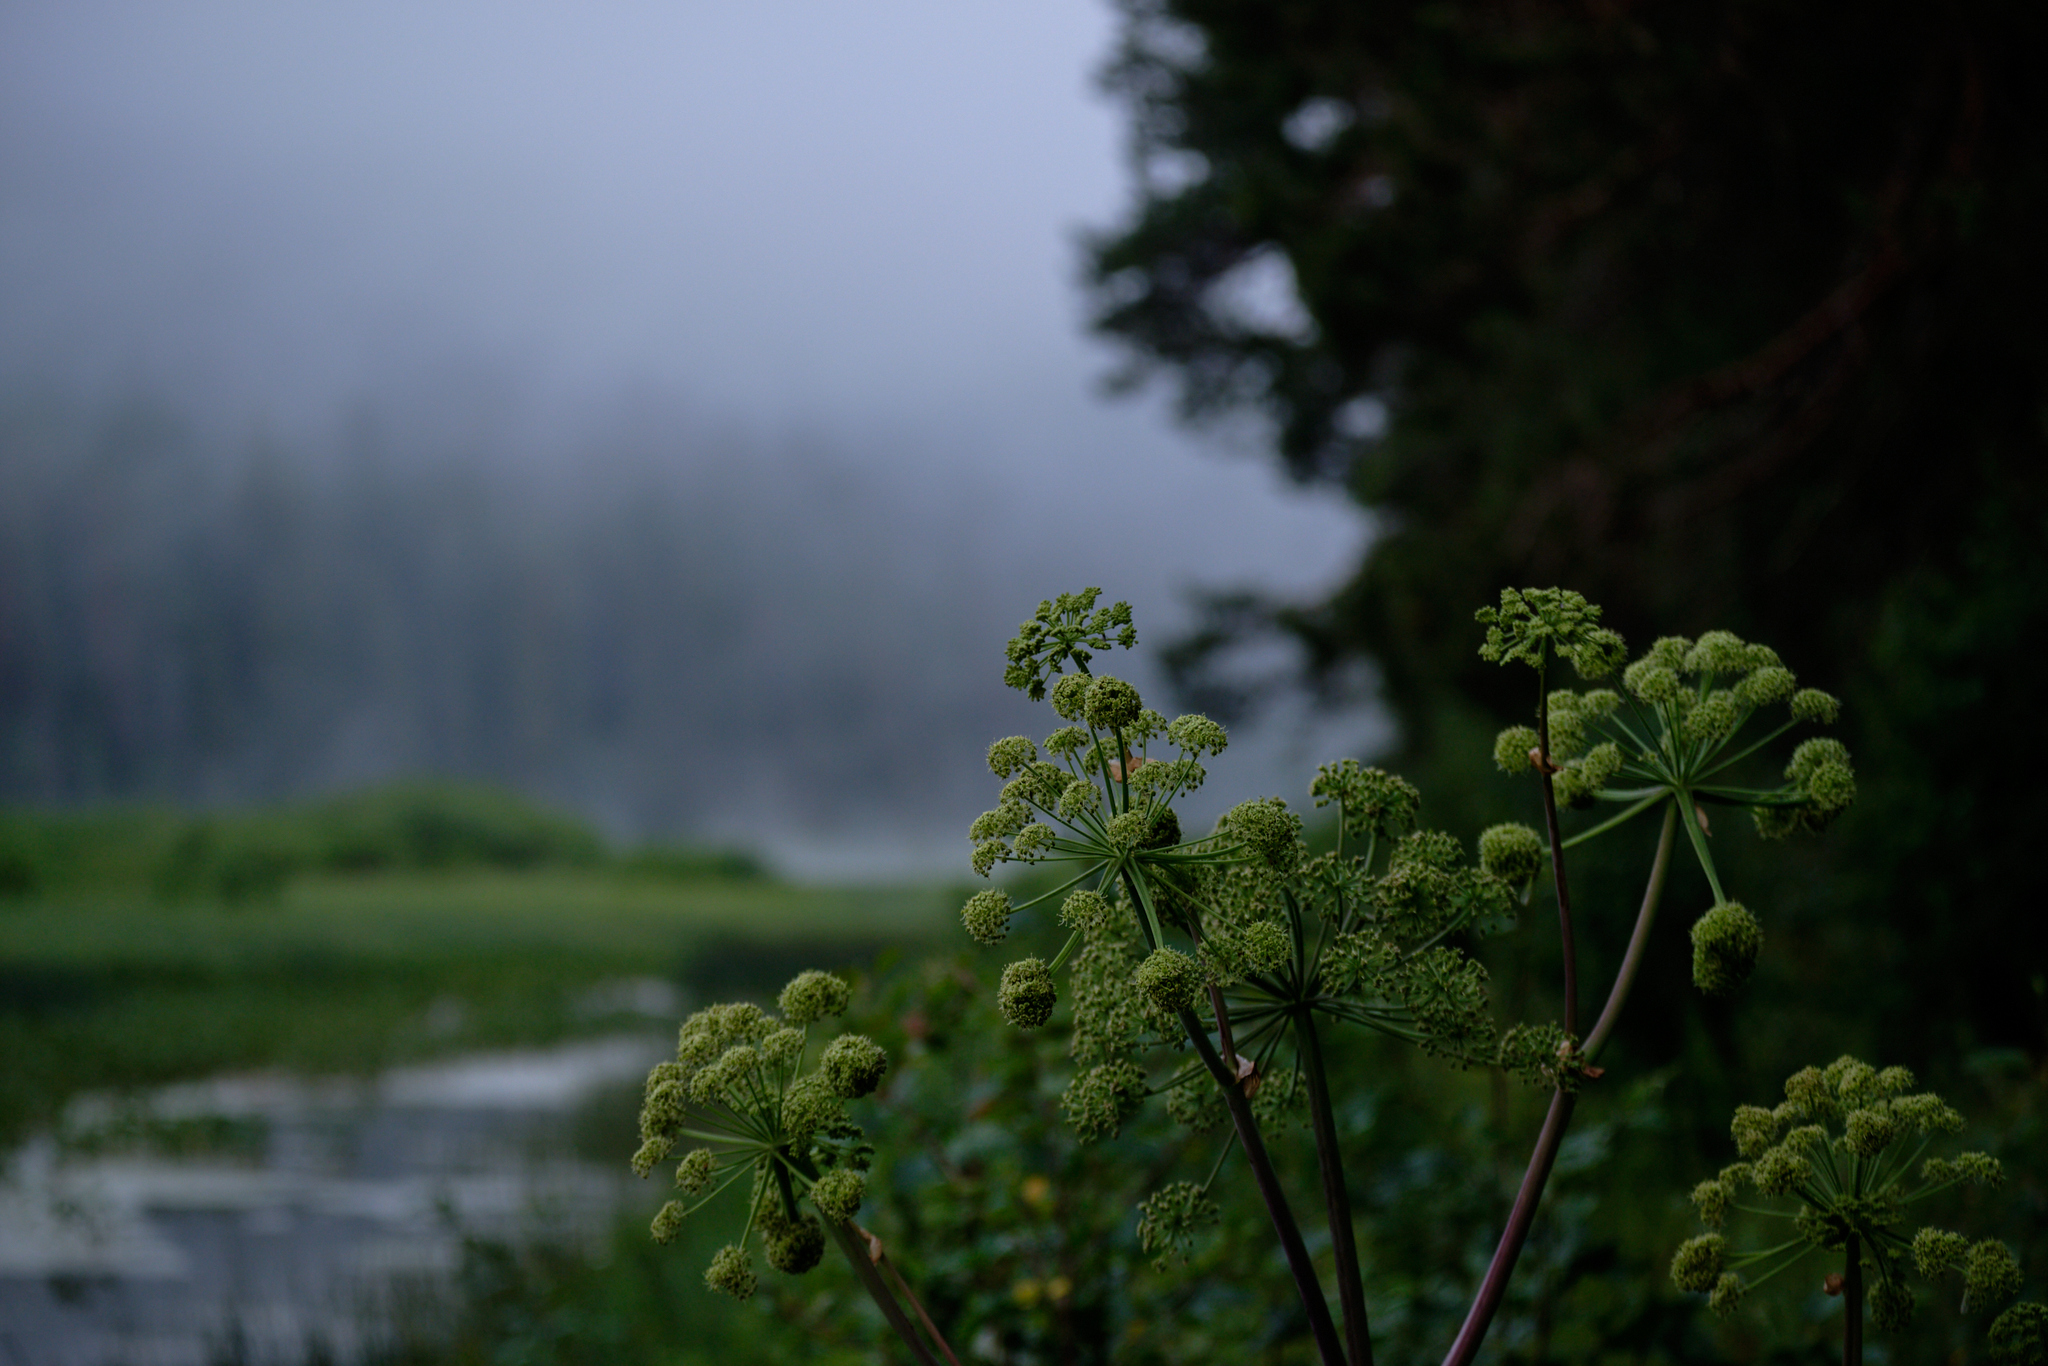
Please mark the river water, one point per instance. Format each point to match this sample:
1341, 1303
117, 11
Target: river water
316, 1208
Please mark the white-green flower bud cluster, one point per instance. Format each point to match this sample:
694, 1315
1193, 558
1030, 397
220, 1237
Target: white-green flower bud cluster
2020, 1335
1170, 980
1169, 1220
1532, 624
1512, 853
853, 1065
1265, 827
812, 996
1725, 944
1027, 994
1822, 780
1098, 1101
838, 1194
1838, 1148
987, 916
1370, 801
1066, 629
1687, 703
739, 1073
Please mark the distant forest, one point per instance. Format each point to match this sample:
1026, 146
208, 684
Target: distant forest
671, 634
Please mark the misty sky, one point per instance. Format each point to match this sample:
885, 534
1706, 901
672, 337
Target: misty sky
848, 227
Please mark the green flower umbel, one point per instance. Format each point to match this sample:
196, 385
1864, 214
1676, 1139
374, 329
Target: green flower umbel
1836, 1161
740, 1093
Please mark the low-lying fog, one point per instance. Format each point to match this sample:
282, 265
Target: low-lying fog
666, 408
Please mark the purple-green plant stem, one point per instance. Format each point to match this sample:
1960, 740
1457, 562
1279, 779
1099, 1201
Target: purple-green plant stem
1610, 1014
881, 1258
1852, 1306
1493, 1286
1304, 1271
1330, 1158
1486, 1303
878, 1290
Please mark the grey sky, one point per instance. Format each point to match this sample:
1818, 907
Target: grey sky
844, 225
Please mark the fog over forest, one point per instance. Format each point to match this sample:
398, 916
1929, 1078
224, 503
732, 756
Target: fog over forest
668, 412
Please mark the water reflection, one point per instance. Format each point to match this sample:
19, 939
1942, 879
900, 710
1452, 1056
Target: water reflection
273, 1218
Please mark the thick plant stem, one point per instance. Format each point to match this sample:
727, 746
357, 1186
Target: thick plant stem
881, 1259
1305, 1282
1350, 1285
1633, 959
1486, 1303
878, 1289
1852, 1304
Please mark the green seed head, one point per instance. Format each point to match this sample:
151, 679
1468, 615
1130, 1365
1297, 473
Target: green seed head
1169, 979
1085, 910
853, 1066
1069, 695
1512, 853
1511, 750
2020, 1335
1725, 944
1779, 1171
1009, 755
1991, 1276
1811, 704
1771, 683
1891, 1305
1266, 827
1027, 993
794, 1246
1717, 652
1698, 1262
1111, 704
1197, 734
1936, 1250
838, 1194
811, 996
1754, 1128
1651, 682
695, 1171
731, 1272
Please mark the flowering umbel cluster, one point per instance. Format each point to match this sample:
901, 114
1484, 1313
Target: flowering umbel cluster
746, 1091
1163, 928
1675, 733
1837, 1159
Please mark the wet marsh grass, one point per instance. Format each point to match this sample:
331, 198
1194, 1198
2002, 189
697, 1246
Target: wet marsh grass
106, 990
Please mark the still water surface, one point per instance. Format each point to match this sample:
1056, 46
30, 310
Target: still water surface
313, 1210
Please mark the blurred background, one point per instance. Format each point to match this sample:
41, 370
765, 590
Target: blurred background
509, 515
663, 412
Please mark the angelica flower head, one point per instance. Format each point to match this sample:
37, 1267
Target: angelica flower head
1065, 630
1844, 1175
1533, 623
741, 1089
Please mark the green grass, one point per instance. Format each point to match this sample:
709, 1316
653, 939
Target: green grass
120, 988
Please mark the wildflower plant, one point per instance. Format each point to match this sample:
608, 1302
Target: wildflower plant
1203, 970
1675, 736
1173, 935
758, 1108
1836, 1161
